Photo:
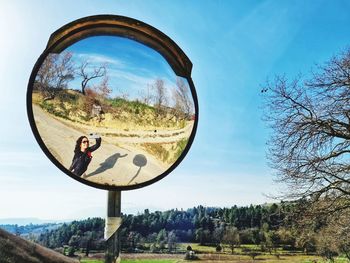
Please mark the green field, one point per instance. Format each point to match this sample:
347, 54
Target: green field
133, 261
208, 254
149, 260
233, 258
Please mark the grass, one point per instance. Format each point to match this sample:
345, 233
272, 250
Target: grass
132, 261
52, 109
72, 105
226, 258
180, 147
208, 254
133, 106
166, 155
157, 150
149, 260
196, 247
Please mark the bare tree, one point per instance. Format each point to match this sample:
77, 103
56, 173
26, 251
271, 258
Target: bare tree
103, 88
310, 145
231, 237
218, 233
45, 74
64, 70
160, 98
172, 241
334, 237
87, 75
54, 74
95, 97
123, 93
146, 95
183, 104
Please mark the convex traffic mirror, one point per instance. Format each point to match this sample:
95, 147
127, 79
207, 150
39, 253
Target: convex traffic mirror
111, 102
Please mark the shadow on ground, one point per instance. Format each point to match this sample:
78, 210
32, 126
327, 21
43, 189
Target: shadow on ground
109, 163
140, 161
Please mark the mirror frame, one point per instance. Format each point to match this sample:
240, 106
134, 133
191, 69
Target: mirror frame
121, 26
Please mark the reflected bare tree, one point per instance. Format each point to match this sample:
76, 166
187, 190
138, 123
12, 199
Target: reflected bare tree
87, 75
146, 95
103, 88
54, 74
160, 98
183, 104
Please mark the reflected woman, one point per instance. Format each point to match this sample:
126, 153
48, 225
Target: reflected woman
82, 155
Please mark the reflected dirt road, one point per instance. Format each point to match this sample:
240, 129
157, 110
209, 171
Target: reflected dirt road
111, 164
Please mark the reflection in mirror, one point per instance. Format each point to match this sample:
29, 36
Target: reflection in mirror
112, 111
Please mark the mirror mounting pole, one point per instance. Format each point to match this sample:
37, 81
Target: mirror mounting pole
112, 227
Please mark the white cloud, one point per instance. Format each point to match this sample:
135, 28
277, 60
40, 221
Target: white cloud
100, 59
135, 84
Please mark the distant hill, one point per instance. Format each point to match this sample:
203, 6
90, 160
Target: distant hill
28, 220
30, 229
14, 249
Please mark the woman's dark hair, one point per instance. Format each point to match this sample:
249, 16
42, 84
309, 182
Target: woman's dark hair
78, 143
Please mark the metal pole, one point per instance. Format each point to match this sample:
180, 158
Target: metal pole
112, 231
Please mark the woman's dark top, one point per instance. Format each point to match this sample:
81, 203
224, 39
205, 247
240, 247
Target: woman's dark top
81, 160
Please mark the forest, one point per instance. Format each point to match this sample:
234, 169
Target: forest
268, 228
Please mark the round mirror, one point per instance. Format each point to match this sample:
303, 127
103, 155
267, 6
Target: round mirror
110, 106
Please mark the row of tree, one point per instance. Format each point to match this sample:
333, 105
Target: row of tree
199, 224
268, 226
86, 234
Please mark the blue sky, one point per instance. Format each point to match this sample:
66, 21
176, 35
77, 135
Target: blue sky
234, 47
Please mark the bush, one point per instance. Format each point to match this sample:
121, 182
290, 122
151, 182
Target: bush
70, 251
66, 96
50, 108
133, 106
327, 253
246, 250
190, 255
47, 106
153, 248
253, 254
90, 98
289, 248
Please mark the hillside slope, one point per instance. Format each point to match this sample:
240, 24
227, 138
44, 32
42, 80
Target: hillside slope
14, 249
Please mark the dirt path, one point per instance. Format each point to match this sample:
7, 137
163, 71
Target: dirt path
138, 136
113, 163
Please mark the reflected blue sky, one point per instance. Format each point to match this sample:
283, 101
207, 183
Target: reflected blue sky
131, 66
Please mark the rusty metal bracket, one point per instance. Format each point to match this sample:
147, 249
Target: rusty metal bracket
115, 25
